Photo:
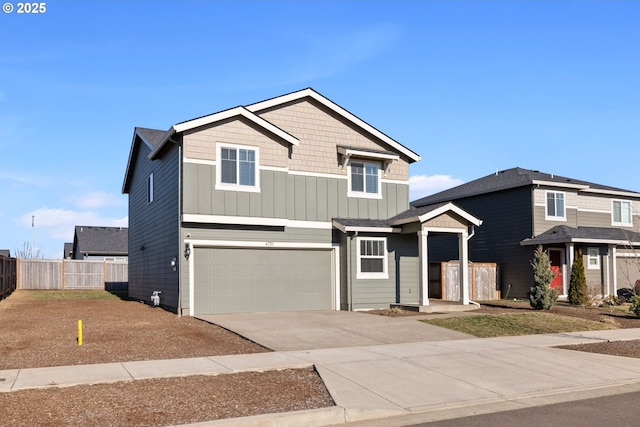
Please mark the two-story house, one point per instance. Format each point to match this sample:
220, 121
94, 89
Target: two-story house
292, 203
523, 208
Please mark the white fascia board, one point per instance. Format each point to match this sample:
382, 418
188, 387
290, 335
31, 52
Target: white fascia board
367, 154
362, 229
337, 109
268, 222
234, 112
202, 243
613, 193
560, 184
529, 242
453, 208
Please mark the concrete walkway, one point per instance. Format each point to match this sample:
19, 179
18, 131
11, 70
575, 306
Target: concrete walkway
421, 381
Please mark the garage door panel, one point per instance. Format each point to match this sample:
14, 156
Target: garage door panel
229, 280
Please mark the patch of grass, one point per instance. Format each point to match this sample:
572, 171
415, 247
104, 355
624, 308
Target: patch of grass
500, 325
74, 295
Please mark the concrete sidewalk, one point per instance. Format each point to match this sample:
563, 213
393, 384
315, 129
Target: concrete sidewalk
427, 380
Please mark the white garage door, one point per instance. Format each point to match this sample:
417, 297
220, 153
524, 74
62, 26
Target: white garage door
236, 280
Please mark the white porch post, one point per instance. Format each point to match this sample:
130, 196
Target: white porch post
463, 249
614, 268
423, 293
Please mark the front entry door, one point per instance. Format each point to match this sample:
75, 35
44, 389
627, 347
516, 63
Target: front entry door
555, 257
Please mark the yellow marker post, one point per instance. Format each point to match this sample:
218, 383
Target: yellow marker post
79, 332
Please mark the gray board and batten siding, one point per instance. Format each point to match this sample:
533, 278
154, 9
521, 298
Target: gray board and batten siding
402, 284
288, 196
154, 227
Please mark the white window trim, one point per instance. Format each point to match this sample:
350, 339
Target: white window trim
623, 224
150, 188
382, 275
590, 257
364, 194
546, 206
236, 187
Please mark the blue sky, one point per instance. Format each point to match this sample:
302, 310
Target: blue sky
472, 86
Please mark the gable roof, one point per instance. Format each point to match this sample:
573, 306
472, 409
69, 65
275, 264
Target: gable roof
600, 235
68, 250
426, 213
310, 93
394, 225
101, 240
514, 178
157, 139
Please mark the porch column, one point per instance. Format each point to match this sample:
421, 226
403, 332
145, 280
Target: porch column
423, 259
614, 268
463, 250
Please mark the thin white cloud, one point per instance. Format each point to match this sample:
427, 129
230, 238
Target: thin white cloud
60, 223
99, 199
330, 54
426, 185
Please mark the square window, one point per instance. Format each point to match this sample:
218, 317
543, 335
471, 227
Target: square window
237, 168
555, 205
621, 213
593, 258
364, 179
372, 258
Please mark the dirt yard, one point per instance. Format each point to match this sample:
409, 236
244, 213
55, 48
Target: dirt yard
40, 333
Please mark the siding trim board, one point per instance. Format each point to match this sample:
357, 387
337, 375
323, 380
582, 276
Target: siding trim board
196, 244
246, 220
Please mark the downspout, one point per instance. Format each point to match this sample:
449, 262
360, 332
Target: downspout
179, 228
473, 232
349, 296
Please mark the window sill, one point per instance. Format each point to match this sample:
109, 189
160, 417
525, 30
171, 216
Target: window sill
232, 187
357, 195
364, 276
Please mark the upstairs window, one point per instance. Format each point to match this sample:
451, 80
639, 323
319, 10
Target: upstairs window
237, 168
364, 179
372, 258
555, 205
150, 188
621, 213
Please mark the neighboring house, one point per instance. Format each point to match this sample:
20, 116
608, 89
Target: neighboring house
99, 243
5, 253
292, 203
68, 251
522, 209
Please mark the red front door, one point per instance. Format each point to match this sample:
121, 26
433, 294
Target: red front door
555, 256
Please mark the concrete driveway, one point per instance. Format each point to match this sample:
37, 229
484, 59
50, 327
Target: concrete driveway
308, 330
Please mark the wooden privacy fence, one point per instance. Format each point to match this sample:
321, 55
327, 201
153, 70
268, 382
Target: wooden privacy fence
72, 274
483, 279
8, 276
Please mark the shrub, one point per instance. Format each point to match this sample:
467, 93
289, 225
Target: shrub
541, 296
578, 292
635, 305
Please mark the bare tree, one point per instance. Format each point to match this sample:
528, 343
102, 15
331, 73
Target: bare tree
27, 252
